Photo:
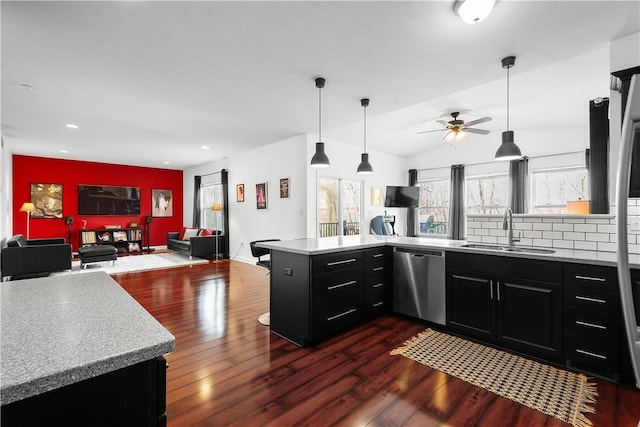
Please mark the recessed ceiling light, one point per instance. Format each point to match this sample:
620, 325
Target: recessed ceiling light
63, 151
166, 163
204, 147
72, 126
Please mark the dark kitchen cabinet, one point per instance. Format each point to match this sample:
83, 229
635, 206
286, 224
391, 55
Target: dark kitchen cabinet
378, 281
515, 303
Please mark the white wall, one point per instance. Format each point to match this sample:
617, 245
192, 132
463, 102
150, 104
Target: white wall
6, 216
345, 158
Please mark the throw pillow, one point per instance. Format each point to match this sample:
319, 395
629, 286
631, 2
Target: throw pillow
189, 233
181, 235
205, 232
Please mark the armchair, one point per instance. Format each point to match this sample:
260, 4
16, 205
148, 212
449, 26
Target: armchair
22, 257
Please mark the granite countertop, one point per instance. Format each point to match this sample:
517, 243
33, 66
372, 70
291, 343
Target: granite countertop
317, 246
63, 329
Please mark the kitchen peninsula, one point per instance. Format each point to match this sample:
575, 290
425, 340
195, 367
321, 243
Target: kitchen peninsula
79, 350
518, 299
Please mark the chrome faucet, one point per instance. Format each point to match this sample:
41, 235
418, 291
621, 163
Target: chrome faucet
509, 226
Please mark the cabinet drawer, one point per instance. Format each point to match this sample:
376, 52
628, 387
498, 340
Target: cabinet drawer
336, 261
592, 276
345, 285
376, 269
329, 319
598, 325
375, 255
591, 353
591, 298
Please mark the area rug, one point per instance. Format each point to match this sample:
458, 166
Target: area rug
131, 263
554, 392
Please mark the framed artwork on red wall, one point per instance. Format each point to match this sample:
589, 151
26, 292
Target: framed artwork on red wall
47, 199
162, 202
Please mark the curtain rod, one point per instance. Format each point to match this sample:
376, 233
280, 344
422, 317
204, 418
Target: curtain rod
493, 162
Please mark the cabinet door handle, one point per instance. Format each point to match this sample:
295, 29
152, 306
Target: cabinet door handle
588, 353
341, 285
600, 301
340, 315
344, 261
378, 268
491, 288
498, 289
593, 279
378, 304
377, 285
378, 255
591, 325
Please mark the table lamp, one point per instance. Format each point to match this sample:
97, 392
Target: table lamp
28, 208
580, 207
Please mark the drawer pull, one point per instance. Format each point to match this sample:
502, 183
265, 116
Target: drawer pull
344, 261
593, 279
588, 353
378, 304
341, 314
378, 268
378, 255
342, 285
591, 325
377, 285
600, 301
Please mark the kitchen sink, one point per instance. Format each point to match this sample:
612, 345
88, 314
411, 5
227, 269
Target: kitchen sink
508, 249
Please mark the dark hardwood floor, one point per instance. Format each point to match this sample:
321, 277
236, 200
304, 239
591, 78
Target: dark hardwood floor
228, 369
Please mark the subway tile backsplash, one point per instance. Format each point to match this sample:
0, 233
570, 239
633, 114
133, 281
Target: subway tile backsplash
581, 232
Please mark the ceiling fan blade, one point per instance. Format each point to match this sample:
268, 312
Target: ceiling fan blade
429, 131
447, 134
443, 122
478, 121
478, 131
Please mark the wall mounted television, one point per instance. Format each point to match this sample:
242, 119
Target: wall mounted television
108, 200
402, 197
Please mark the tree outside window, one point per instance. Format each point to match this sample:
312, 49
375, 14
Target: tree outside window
339, 206
552, 189
434, 206
487, 195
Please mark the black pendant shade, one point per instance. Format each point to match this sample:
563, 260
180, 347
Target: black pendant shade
320, 159
365, 168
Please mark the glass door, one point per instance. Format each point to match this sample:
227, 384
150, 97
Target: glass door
339, 207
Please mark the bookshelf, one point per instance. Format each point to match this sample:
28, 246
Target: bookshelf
126, 240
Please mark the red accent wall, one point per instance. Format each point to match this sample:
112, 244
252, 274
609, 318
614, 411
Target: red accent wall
71, 173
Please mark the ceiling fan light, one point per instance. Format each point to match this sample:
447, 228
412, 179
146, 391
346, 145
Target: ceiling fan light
473, 11
364, 168
508, 150
320, 159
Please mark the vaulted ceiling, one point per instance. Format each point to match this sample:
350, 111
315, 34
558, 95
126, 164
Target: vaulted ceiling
153, 82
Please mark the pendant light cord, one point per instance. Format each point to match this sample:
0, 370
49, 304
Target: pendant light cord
320, 114
365, 129
508, 68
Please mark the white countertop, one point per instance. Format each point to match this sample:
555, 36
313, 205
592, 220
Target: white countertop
63, 329
317, 246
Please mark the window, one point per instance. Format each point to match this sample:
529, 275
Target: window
551, 189
339, 202
434, 206
487, 194
210, 194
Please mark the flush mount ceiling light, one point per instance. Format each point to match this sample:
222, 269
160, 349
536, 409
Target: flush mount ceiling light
71, 126
364, 168
508, 150
473, 11
320, 159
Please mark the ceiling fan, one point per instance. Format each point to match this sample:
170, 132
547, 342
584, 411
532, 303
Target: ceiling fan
456, 129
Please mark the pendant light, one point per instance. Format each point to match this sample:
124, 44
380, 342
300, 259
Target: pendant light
508, 150
364, 168
473, 11
320, 159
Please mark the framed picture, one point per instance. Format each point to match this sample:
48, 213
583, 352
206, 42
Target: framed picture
376, 196
240, 193
162, 202
284, 188
47, 198
261, 195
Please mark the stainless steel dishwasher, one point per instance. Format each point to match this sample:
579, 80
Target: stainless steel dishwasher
419, 284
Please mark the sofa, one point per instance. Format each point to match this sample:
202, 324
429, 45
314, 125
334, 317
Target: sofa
198, 242
23, 258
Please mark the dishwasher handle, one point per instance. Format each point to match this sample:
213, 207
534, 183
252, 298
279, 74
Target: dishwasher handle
420, 252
